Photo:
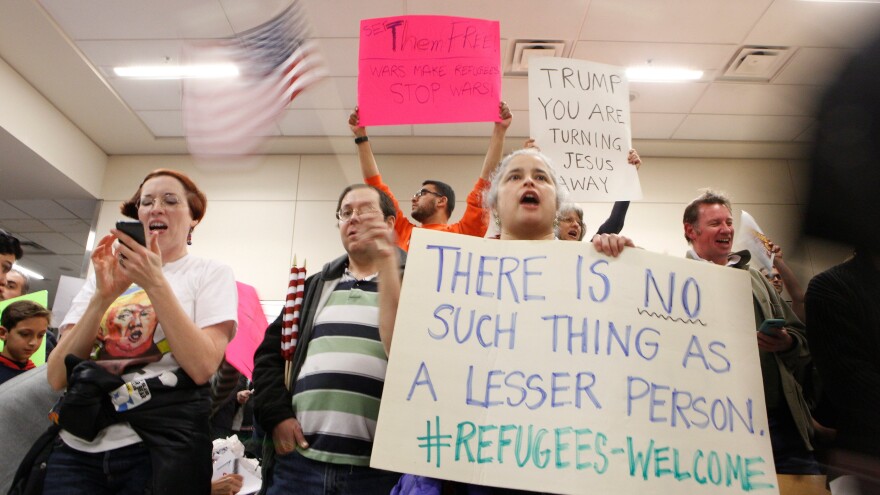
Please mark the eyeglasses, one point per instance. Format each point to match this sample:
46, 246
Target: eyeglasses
168, 200
423, 191
345, 215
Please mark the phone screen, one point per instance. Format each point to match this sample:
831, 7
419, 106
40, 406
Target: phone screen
133, 229
768, 326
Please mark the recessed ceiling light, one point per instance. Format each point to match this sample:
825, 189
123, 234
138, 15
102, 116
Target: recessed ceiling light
662, 74
27, 271
207, 71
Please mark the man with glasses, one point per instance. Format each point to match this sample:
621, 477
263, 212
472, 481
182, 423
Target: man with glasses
432, 205
322, 411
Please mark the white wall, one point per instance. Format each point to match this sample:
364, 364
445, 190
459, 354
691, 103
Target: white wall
34, 121
258, 218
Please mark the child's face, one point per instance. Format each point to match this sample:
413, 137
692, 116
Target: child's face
23, 340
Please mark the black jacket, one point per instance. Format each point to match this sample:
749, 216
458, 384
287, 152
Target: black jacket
173, 424
272, 400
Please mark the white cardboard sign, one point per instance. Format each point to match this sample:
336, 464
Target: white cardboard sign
542, 365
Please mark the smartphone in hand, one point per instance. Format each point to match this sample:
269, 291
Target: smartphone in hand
768, 326
133, 229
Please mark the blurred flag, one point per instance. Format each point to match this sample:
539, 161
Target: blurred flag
233, 116
755, 241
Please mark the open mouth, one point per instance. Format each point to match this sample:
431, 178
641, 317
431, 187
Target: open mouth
154, 226
529, 198
573, 233
135, 335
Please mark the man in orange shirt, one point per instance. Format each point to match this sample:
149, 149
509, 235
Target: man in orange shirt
432, 205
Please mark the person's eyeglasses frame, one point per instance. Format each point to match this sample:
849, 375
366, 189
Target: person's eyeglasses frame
363, 210
421, 192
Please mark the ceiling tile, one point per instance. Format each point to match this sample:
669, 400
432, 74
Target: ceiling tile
248, 15
757, 99
665, 97
148, 94
41, 208
679, 21
817, 66
39, 263
741, 127
655, 125
332, 92
816, 24
703, 57
523, 19
83, 208
163, 123
49, 264
57, 243
74, 260
68, 226
332, 20
79, 238
8, 212
156, 19
113, 53
26, 226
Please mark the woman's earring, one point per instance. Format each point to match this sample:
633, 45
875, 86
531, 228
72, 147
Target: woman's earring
497, 220
189, 237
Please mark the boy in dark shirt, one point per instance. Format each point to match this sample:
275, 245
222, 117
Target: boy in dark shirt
22, 328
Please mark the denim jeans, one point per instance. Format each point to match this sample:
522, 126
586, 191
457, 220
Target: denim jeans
790, 456
125, 470
294, 473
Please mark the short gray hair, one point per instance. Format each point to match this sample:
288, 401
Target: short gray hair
565, 210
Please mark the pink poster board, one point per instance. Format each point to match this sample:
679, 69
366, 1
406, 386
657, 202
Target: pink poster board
251, 328
426, 69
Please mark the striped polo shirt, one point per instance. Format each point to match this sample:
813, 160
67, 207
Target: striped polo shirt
337, 392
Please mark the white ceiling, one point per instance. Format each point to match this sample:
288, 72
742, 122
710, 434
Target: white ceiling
66, 48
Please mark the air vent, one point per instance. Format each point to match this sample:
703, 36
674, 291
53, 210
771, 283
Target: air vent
757, 63
523, 50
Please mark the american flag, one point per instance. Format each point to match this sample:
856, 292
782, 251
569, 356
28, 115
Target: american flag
292, 310
233, 116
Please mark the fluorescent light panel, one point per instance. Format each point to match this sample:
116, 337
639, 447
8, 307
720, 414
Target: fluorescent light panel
662, 74
27, 271
206, 71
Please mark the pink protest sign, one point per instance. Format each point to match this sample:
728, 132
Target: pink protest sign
251, 328
426, 69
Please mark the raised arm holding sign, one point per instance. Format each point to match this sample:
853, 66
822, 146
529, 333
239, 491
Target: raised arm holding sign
433, 203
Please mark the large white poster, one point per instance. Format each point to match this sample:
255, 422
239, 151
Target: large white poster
579, 116
542, 365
